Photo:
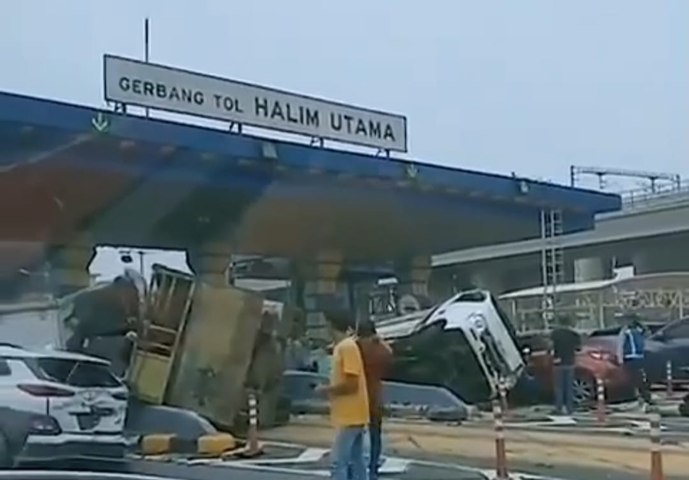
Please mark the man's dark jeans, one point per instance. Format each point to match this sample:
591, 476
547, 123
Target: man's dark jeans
375, 436
564, 388
636, 371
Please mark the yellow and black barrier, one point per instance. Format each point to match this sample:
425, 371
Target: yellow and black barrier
210, 445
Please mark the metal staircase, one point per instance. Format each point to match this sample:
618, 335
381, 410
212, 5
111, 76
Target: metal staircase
552, 261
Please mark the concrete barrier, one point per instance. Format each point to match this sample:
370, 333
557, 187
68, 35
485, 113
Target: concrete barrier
401, 399
144, 419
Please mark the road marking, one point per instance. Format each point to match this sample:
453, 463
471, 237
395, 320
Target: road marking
310, 455
644, 426
268, 468
553, 421
491, 474
392, 465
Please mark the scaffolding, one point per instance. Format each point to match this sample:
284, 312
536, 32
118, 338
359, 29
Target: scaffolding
597, 304
552, 262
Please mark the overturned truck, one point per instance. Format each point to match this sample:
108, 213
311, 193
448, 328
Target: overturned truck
204, 347
178, 342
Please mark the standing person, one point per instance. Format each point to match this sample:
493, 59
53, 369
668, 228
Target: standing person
349, 411
377, 357
631, 350
566, 343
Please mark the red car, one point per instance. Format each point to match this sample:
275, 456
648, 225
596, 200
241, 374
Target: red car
595, 359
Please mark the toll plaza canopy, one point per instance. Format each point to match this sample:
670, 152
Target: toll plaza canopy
70, 170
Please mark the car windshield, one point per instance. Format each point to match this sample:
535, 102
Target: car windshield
208, 205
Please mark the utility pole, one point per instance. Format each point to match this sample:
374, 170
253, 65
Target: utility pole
147, 51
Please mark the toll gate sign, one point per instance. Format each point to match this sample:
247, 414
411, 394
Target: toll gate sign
161, 87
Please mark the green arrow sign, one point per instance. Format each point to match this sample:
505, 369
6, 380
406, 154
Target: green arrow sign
100, 122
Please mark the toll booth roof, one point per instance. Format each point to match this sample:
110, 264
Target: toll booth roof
130, 180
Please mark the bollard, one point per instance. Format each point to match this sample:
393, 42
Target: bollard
253, 447
600, 400
668, 377
500, 450
656, 455
502, 391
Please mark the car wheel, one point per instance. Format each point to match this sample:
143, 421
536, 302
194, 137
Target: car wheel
584, 390
5, 454
684, 407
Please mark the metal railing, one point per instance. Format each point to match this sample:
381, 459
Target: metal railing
645, 197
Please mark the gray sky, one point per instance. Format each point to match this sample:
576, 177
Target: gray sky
530, 86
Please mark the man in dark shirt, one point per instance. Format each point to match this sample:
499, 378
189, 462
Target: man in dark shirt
377, 357
566, 343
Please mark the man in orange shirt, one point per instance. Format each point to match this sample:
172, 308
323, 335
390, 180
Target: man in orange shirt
349, 410
377, 357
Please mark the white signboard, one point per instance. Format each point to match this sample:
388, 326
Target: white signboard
160, 87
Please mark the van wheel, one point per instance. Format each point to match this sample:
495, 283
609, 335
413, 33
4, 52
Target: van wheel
584, 389
5, 455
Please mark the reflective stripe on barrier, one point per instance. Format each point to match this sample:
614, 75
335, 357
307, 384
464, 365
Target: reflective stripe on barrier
209, 445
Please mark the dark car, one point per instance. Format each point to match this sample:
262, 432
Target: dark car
669, 344
613, 332
665, 343
15, 427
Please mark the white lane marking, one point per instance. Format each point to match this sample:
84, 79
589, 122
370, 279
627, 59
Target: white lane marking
491, 474
309, 455
285, 470
562, 420
268, 468
553, 421
392, 465
644, 426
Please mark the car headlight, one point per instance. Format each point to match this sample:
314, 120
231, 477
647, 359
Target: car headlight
478, 323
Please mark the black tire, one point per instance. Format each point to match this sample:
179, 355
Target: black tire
584, 389
6, 460
684, 407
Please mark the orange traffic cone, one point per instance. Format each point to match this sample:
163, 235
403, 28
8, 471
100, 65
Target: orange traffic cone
501, 472
600, 400
656, 454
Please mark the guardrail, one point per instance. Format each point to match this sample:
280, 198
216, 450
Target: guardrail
645, 197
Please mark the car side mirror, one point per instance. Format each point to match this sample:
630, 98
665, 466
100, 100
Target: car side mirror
661, 337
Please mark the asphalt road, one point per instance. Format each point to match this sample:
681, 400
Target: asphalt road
460, 463
423, 467
553, 454
422, 472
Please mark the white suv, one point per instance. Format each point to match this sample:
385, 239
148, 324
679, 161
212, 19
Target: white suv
80, 405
